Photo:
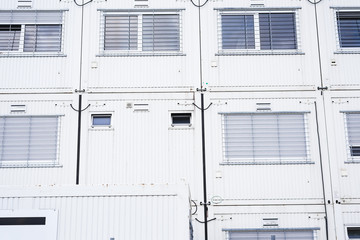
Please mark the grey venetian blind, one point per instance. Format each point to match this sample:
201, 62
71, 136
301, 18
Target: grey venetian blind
348, 29
29, 140
264, 137
160, 32
42, 38
277, 31
271, 235
9, 37
353, 133
42, 30
121, 32
237, 32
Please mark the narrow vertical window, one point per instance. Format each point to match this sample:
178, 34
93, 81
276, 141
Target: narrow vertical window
353, 135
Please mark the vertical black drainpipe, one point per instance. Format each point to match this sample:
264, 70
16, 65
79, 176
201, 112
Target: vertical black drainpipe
78, 143
204, 164
80, 97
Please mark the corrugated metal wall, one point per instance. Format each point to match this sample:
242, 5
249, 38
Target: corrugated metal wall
143, 147
109, 212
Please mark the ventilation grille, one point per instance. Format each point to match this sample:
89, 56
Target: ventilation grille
18, 108
24, 3
138, 107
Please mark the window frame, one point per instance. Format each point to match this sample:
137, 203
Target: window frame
181, 125
268, 160
34, 163
103, 115
256, 17
350, 157
227, 231
34, 22
347, 231
340, 49
139, 51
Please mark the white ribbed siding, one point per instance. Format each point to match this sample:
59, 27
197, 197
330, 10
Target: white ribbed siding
345, 173
119, 212
142, 72
340, 70
64, 172
249, 217
273, 182
22, 73
131, 151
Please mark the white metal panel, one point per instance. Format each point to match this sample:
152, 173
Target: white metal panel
118, 212
273, 182
130, 151
339, 67
250, 217
44, 72
64, 171
345, 170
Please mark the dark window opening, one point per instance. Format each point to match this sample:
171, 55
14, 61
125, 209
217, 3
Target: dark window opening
22, 221
101, 119
349, 29
353, 232
181, 118
9, 37
355, 151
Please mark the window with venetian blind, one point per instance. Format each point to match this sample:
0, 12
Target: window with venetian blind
150, 32
28, 31
258, 32
29, 140
260, 138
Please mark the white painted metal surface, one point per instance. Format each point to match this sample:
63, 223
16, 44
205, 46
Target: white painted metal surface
105, 212
140, 92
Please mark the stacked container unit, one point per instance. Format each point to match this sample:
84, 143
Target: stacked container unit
280, 85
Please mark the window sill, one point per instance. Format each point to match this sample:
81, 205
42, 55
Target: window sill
181, 128
255, 53
353, 161
141, 54
11, 54
268, 163
30, 166
347, 52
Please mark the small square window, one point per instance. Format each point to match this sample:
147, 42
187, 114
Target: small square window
180, 119
353, 232
101, 120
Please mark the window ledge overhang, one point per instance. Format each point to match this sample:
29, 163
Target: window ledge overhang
50, 165
10, 54
259, 53
141, 54
268, 163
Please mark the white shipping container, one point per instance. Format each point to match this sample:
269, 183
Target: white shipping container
97, 212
